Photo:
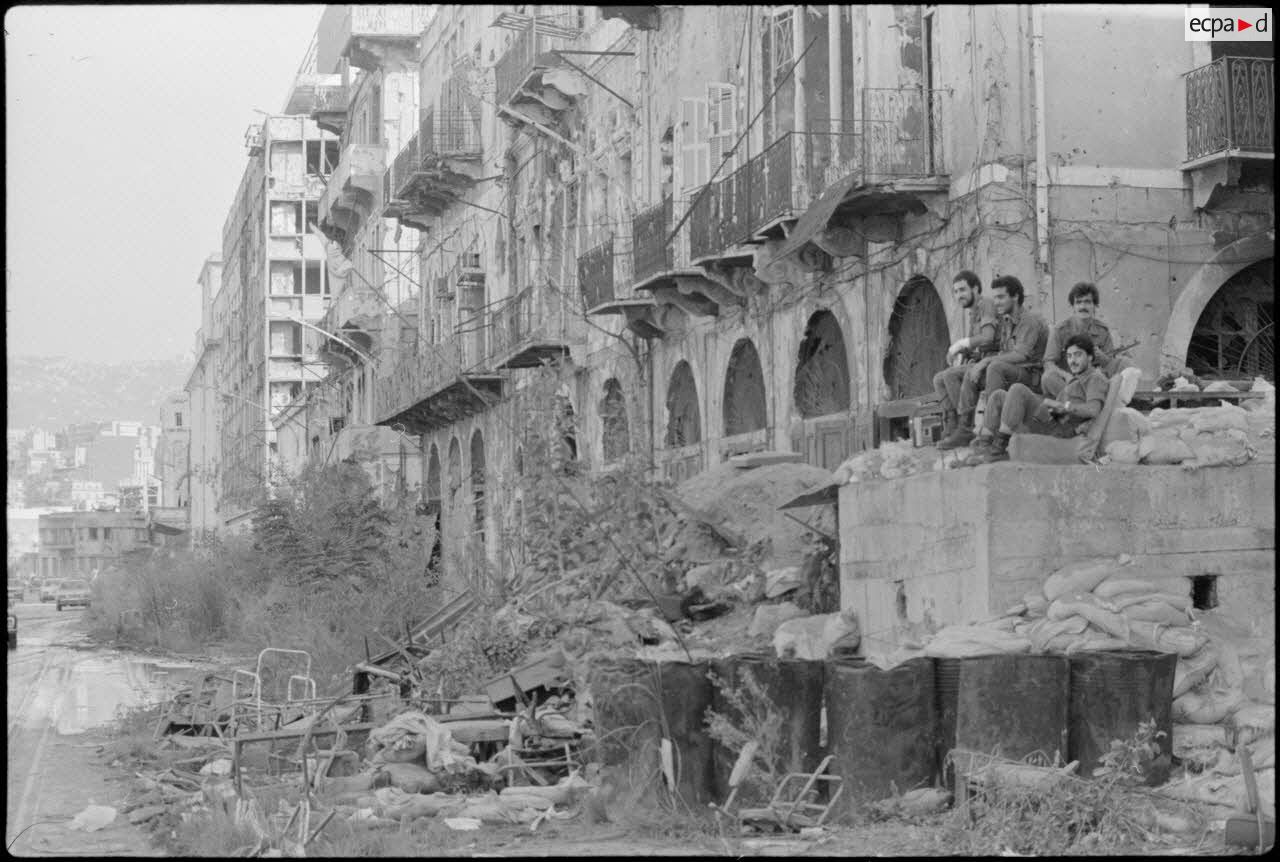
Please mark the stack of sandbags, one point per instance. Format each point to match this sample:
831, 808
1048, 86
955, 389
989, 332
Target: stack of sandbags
890, 461
1191, 436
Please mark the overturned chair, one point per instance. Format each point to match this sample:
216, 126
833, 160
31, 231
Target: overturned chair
786, 812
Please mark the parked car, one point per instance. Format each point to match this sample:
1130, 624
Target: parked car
48, 587
13, 628
17, 592
71, 593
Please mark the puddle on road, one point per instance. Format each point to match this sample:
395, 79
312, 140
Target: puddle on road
93, 691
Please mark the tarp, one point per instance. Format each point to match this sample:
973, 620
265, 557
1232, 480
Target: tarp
815, 218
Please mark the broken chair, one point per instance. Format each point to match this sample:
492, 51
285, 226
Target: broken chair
792, 812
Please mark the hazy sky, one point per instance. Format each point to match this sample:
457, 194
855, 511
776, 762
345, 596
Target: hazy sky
125, 142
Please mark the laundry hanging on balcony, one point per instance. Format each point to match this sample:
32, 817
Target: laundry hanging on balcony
339, 264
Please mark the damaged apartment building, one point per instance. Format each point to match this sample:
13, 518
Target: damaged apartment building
734, 228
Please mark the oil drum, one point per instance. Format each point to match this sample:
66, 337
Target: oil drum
1111, 693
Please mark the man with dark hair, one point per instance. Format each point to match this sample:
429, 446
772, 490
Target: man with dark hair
980, 340
1022, 336
1083, 299
1021, 410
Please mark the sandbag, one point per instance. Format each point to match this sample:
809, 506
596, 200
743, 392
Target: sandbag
1079, 577
1205, 708
1218, 451
1096, 643
1160, 448
1126, 423
1037, 604
1220, 418
1155, 611
1117, 585
1045, 631
1176, 601
1112, 623
1123, 452
1193, 670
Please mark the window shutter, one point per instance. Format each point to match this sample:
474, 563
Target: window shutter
722, 107
695, 150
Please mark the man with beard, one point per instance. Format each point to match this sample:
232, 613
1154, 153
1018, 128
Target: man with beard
980, 341
1021, 410
1022, 337
1083, 299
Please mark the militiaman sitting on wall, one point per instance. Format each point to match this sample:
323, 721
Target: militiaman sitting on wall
1083, 299
981, 340
1022, 337
1021, 410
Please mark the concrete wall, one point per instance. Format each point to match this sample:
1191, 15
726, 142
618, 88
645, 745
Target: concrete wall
959, 545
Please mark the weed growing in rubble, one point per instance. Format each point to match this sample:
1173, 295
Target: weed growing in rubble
1069, 816
751, 717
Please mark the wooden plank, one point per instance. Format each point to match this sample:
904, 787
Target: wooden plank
298, 733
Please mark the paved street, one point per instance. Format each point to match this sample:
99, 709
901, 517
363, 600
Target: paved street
62, 692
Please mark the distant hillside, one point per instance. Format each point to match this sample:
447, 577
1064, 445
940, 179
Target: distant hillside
50, 392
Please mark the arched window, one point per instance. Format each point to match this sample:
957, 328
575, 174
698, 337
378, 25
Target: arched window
613, 418
684, 422
744, 397
822, 368
455, 469
918, 340
433, 475
1234, 338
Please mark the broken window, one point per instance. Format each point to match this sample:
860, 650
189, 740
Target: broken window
918, 340
684, 423
286, 218
822, 368
286, 277
322, 157
744, 395
613, 417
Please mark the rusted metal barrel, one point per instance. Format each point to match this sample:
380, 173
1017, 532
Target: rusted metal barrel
1013, 705
1111, 693
880, 729
946, 684
793, 689
639, 703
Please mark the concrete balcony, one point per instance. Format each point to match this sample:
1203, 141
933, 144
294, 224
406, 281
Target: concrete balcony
329, 108
1231, 107
440, 383
662, 266
606, 279
353, 193
378, 37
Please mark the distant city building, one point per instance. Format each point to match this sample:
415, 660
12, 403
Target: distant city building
78, 543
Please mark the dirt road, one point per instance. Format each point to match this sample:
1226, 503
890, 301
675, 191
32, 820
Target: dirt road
62, 692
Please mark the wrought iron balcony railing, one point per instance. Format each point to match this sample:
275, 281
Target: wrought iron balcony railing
514, 67
606, 273
653, 254
371, 22
448, 133
1231, 106
537, 318
419, 374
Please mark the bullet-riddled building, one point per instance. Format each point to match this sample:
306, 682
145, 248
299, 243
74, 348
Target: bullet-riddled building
734, 229
274, 290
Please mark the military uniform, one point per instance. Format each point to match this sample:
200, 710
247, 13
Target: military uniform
1056, 373
983, 334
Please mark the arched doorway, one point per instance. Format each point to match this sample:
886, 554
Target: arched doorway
1234, 337
454, 467
684, 419
615, 435
477, 483
745, 408
567, 429
918, 340
822, 368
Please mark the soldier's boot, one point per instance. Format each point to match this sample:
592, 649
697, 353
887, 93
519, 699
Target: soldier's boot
961, 436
